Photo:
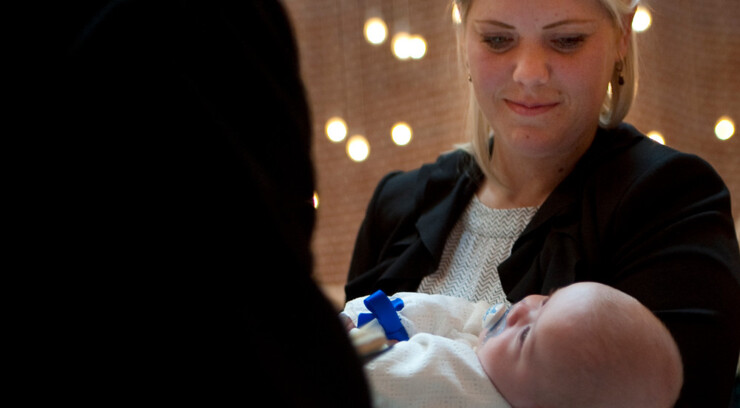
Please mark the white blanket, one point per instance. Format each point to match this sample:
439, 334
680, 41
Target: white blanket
437, 366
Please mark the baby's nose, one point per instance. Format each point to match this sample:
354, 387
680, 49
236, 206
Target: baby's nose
517, 313
522, 311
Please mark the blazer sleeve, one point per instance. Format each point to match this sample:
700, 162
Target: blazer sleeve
386, 231
370, 240
675, 249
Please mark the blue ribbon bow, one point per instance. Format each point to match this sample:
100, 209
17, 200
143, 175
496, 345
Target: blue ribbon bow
385, 310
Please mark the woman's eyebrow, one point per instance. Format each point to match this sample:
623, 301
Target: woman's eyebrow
571, 21
495, 23
574, 21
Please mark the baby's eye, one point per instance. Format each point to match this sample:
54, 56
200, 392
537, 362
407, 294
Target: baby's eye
524, 334
567, 43
498, 42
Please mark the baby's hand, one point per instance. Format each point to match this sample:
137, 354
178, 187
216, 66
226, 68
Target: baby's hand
346, 321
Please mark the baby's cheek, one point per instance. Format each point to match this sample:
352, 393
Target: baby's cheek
488, 365
481, 336
485, 352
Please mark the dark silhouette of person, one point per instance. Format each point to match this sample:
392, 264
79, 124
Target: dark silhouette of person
173, 210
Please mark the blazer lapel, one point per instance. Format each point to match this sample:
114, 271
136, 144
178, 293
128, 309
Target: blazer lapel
548, 252
447, 191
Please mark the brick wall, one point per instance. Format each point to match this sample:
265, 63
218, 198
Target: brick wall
689, 61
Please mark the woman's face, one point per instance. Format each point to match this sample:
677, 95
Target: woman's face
540, 70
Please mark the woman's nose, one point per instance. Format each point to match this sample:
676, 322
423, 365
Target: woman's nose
532, 67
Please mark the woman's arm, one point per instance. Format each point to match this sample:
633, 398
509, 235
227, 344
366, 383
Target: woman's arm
676, 251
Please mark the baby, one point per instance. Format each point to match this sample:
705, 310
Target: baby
586, 345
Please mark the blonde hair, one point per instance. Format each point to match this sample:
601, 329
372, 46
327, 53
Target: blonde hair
617, 101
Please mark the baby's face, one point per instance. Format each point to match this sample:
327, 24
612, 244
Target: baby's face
517, 359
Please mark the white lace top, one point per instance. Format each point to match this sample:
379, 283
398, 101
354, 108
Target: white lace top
480, 240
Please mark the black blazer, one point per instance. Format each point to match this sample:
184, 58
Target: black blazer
634, 214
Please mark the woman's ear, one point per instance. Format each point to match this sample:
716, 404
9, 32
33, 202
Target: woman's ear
625, 37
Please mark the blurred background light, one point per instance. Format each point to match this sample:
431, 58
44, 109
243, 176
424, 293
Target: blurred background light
400, 45
358, 149
417, 47
642, 19
656, 136
724, 129
375, 30
407, 46
401, 134
336, 129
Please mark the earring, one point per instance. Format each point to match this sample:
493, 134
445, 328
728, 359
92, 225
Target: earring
618, 67
470, 79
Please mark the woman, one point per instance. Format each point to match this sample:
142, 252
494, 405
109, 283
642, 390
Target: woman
563, 191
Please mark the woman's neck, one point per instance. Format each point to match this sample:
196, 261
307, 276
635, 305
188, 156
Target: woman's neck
524, 182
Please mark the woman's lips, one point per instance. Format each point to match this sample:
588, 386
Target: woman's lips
530, 108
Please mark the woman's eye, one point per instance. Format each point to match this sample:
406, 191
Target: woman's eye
498, 42
524, 334
569, 42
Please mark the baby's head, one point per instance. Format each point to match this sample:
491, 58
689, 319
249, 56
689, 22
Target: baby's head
586, 345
